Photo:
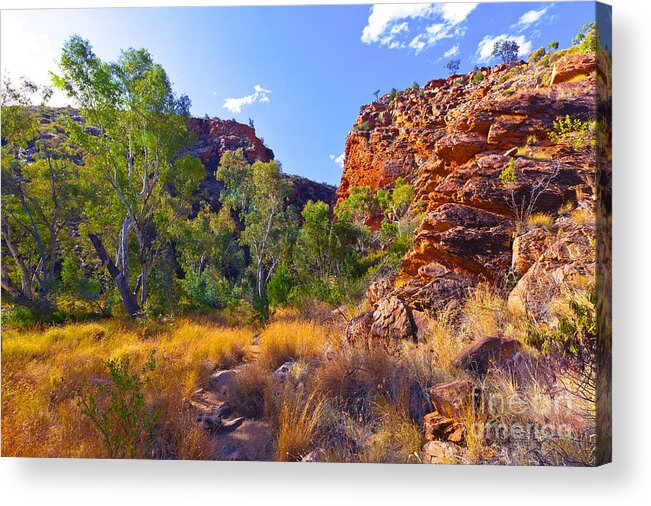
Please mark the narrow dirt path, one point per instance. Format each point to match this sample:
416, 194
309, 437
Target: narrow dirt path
234, 437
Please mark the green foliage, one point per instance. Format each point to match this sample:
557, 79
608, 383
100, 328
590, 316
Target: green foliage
572, 131
205, 290
20, 316
257, 194
477, 77
574, 334
357, 206
587, 39
280, 286
133, 164
330, 252
508, 176
38, 199
364, 127
119, 412
553, 46
506, 50
75, 282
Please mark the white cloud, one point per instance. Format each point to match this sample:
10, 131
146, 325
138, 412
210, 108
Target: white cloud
259, 94
417, 43
383, 16
456, 13
530, 17
453, 51
339, 160
485, 46
388, 24
402, 27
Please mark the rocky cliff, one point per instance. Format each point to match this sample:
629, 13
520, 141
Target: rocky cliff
213, 137
452, 139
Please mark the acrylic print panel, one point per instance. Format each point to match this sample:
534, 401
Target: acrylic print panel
424, 279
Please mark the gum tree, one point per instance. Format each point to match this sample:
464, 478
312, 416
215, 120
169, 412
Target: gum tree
134, 127
37, 205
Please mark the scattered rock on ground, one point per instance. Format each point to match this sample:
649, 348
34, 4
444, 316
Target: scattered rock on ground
442, 452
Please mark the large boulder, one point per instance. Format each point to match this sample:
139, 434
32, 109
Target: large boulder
392, 320
485, 353
567, 257
452, 399
572, 66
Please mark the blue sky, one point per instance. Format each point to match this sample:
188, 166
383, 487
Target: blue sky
300, 72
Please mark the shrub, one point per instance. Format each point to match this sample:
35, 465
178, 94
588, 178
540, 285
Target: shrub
574, 132
279, 286
119, 412
364, 127
574, 331
19, 316
477, 77
587, 39
205, 290
537, 55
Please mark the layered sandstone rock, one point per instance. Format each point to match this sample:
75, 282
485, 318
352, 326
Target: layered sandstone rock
452, 139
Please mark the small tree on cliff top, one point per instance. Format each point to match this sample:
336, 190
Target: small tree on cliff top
506, 50
453, 66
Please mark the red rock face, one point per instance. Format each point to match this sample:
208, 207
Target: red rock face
213, 137
450, 139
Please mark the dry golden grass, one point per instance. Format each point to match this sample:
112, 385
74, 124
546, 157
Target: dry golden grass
291, 339
582, 216
250, 393
540, 220
297, 422
397, 439
443, 340
44, 371
357, 404
484, 312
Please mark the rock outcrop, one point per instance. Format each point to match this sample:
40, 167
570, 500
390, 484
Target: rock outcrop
213, 137
452, 139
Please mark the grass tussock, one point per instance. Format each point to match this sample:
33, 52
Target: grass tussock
582, 216
540, 220
291, 339
298, 419
250, 393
